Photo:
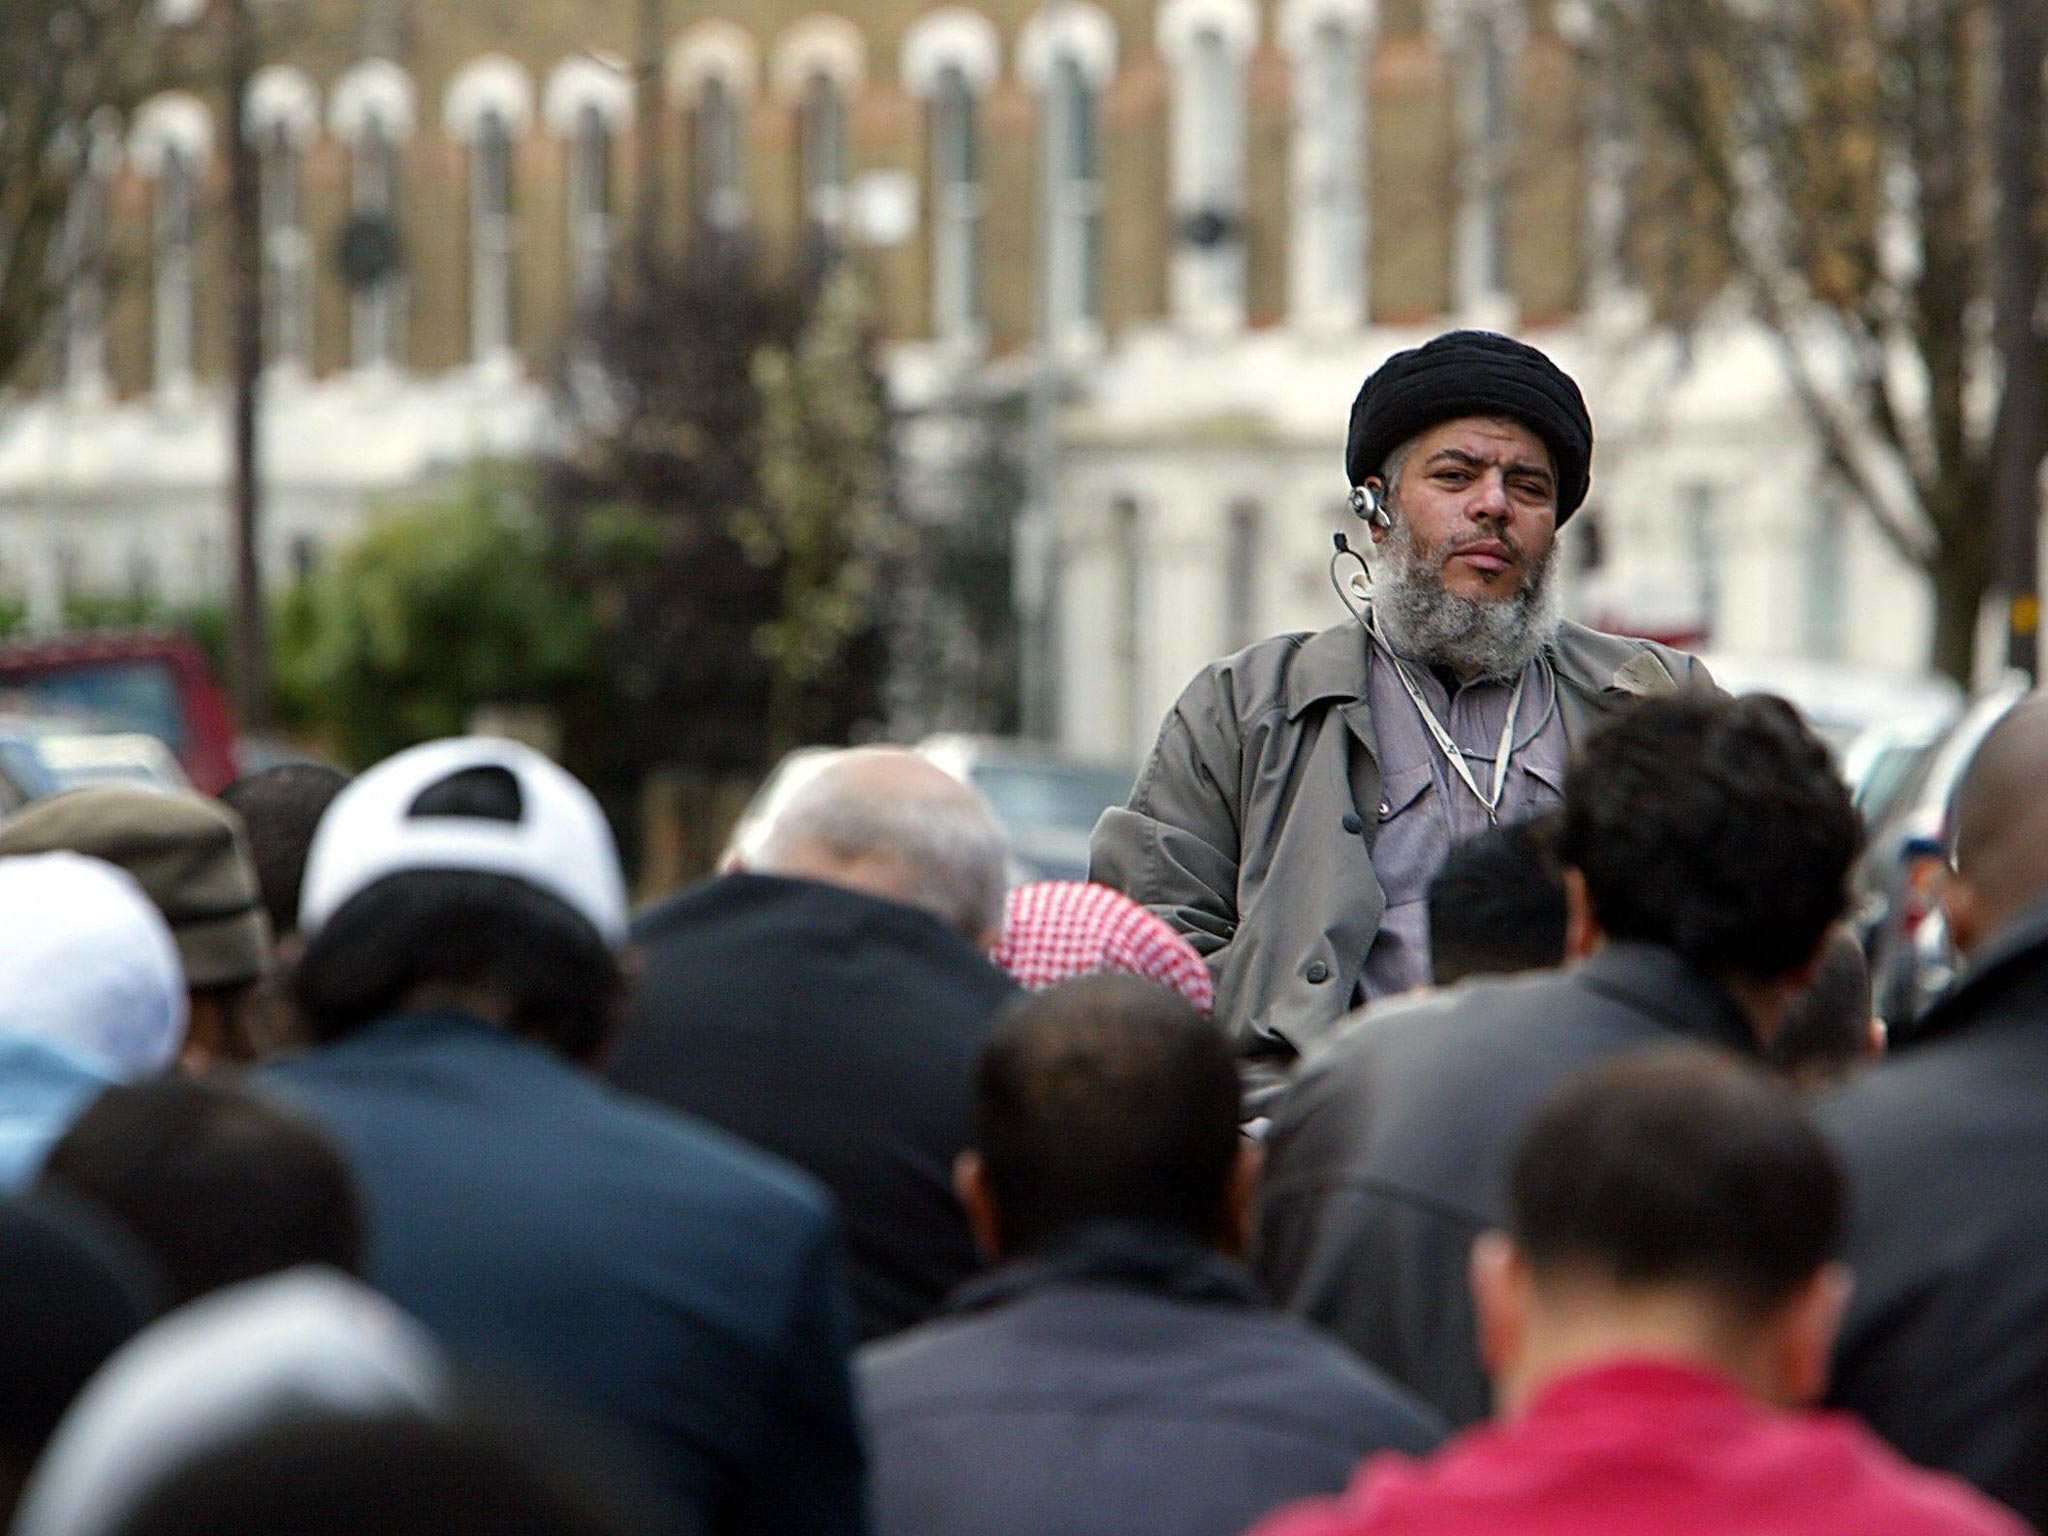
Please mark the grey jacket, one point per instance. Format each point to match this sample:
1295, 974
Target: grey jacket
1117, 1387
1250, 829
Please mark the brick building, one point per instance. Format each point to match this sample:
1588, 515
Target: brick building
1219, 214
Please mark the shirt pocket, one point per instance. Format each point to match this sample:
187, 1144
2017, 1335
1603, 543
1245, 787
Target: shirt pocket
1412, 840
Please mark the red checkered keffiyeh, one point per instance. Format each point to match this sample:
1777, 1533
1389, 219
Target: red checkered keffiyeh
1056, 930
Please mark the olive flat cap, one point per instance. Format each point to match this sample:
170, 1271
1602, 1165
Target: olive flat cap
1473, 373
186, 852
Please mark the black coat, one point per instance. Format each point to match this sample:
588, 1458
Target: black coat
1945, 1349
1389, 1153
839, 1032
1118, 1387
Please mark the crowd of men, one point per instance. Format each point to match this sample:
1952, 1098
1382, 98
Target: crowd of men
1454, 1106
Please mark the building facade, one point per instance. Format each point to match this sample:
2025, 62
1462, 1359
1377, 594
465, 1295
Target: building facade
1187, 229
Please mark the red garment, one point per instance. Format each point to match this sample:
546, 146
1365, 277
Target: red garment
1652, 1448
1055, 930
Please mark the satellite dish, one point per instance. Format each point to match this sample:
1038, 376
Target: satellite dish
368, 252
1208, 228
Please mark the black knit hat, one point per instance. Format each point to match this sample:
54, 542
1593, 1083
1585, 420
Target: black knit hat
1473, 373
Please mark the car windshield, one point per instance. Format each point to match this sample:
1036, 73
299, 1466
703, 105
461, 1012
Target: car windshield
135, 695
1049, 794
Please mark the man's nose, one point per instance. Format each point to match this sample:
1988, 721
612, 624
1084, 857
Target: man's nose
1489, 496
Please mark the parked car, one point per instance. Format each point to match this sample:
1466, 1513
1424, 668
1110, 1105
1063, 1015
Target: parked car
153, 682
1840, 700
1048, 803
1898, 880
46, 755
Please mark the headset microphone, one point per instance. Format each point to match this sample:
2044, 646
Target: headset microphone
1366, 502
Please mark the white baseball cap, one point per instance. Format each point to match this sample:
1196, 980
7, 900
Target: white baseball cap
560, 843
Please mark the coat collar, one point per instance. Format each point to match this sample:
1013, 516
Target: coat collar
1655, 982
1136, 1257
2015, 962
1331, 666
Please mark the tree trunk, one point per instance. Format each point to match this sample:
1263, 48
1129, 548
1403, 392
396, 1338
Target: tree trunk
2022, 435
1959, 586
248, 668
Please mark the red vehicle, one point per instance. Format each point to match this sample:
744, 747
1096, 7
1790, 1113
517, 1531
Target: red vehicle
153, 681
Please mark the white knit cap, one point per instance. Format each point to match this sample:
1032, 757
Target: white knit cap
88, 964
561, 843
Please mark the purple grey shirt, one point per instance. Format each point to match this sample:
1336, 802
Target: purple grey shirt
1426, 808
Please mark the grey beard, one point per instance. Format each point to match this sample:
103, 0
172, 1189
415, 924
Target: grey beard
1476, 639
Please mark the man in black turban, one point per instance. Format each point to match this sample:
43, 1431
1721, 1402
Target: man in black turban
1304, 792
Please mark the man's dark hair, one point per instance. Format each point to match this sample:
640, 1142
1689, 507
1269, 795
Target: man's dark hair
220, 1185
394, 1474
1825, 1030
1678, 1166
1106, 1099
1715, 827
280, 807
1497, 905
463, 930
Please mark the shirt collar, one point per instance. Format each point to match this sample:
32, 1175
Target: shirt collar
1665, 1381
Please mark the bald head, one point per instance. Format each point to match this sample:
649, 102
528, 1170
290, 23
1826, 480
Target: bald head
889, 823
2000, 822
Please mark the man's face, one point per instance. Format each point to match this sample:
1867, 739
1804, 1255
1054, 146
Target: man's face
1480, 500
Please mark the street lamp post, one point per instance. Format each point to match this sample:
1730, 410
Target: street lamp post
247, 661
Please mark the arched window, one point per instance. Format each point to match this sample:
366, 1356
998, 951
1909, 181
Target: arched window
957, 203
279, 120
78, 266
372, 111
1069, 55
173, 135
377, 319
1484, 41
820, 62
287, 321
1327, 44
490, 103
590, 208
588, 102
490, 239
1207, 43
821, 134
1076, 213
713, 71
721, 197
950, 59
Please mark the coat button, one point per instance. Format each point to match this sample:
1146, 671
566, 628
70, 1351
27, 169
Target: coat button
1352, 823
1318, 973
1386, 808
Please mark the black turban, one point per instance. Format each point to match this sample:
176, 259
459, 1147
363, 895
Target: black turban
1473, 373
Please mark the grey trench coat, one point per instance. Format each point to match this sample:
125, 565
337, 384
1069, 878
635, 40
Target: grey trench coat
1250, 827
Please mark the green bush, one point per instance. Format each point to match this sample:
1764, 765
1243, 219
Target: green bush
435, 610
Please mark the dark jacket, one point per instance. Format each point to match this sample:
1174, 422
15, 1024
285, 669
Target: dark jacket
837, 1031
1389, 1153
1251, 823
652, 1273
1945, 1348
1127, 1385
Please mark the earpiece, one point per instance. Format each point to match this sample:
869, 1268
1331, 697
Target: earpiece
1365, 501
